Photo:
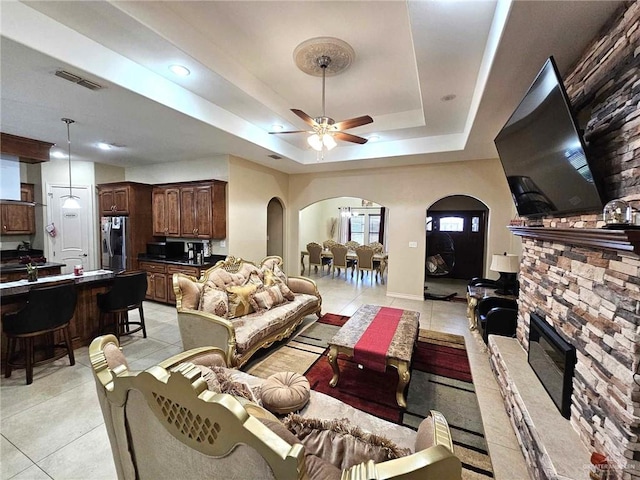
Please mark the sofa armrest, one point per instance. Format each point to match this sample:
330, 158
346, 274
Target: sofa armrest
303, 285
202, 329
435, 462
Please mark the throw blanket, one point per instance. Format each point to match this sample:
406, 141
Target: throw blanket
371, 349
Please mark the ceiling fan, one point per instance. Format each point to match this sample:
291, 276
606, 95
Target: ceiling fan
325, 129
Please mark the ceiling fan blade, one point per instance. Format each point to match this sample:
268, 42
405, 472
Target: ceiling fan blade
347, 137
353, 122
291, 131
304, 117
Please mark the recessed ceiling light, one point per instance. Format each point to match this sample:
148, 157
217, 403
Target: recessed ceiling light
277, 128
104, 146
58, 154
180, 70
448, 98
374, 138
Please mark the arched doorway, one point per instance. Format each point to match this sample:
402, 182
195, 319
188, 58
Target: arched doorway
456, 229
275, 227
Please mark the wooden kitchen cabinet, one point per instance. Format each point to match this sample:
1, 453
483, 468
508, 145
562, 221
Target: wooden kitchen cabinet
191, 210
166, 211
156, 280
19, 219
114, 200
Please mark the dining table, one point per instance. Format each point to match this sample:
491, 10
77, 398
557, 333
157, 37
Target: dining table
382, 258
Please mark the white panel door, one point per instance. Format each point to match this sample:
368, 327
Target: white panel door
73, 228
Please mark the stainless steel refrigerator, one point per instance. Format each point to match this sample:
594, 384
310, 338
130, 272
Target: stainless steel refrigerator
114, 242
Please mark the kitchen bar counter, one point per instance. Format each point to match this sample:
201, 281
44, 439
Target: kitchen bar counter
84, 324
23, 286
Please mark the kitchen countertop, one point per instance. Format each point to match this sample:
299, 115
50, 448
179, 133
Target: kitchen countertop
21, 267
207, 262
23, 286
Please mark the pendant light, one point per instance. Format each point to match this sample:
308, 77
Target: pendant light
71, 201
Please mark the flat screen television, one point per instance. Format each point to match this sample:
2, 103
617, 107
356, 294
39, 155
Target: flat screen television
543, 153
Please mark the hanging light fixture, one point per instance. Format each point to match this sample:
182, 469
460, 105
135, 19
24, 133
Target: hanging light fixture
323, 128
71, 201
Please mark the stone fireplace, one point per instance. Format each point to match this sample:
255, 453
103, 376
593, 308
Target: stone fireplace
583, 280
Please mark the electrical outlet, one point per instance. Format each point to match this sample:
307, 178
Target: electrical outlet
413, 244
223, 243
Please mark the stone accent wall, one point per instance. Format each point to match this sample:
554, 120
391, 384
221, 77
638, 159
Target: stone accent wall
592, 296
605, 82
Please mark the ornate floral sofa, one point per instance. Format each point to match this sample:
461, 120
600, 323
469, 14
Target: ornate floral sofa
240, 307
165, 423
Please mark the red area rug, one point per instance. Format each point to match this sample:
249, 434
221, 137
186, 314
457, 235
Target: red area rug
374, 392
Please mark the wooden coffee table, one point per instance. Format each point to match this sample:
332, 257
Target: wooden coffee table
398, 354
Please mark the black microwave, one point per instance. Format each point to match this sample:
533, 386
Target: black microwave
165, 250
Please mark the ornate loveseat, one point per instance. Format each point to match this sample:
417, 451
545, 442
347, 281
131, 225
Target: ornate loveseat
241, 307
165, 423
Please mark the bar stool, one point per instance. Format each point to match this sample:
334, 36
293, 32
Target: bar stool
128, 292
49, 308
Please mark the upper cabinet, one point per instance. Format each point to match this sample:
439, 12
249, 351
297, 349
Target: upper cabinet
114, 200
16, 218
166, 211
191, 210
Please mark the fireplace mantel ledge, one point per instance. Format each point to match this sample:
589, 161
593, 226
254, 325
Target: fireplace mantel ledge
626, 240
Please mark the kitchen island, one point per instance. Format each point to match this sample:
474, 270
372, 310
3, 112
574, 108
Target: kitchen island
84, 324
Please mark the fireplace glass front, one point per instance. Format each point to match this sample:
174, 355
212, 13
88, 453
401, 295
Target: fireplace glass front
553, 360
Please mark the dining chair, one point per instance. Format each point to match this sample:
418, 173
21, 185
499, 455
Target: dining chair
377, 247
315, 257
352, 244
127, 293
339, 261
49, 309
327, 244
365, 260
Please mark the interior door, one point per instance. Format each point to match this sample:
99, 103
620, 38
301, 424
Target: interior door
73, 238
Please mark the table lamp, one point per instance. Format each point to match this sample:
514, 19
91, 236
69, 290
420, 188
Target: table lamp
507, 266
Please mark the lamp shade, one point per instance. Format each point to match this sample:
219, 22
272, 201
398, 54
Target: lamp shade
506, 263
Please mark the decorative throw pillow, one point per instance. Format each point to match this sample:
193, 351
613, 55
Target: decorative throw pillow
317, 468
240, 299
266, 298
340, 443
214, 300
270, 278
280, 274
254, 278
219, 381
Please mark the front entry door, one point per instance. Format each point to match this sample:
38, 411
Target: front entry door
467, 230
73, 232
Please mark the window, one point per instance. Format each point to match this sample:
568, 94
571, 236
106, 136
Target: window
357, 229
374, 228
429, 224
475, 224
451, 224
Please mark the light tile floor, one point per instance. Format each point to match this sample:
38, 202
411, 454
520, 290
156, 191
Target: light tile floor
53, 428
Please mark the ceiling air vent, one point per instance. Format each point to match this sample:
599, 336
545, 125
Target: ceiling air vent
76, 79
275, 157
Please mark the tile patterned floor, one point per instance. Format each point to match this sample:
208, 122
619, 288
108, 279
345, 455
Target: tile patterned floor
53, 428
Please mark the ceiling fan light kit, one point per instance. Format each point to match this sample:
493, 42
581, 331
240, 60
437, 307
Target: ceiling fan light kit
326, 56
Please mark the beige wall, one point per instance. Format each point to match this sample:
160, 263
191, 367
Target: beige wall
250, 188
407, 192
214, 168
